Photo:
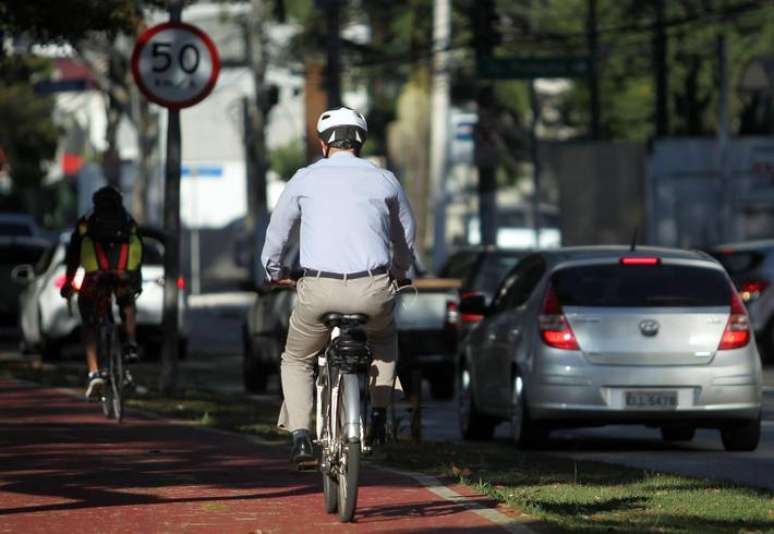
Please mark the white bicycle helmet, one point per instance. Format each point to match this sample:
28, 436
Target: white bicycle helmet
342, 128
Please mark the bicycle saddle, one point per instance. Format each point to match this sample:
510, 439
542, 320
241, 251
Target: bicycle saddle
333, 319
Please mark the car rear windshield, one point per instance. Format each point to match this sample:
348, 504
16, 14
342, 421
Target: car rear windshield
15, 229
639, 286
20, 254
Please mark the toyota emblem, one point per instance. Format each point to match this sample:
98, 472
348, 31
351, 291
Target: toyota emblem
649, 328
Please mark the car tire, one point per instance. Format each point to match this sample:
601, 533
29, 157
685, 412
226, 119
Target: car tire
526, 433
677, 433
742, 437
182, 349
473, 424
254, 371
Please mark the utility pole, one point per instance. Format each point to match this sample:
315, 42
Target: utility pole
168, 378
729, 232
662, 74
333, 67
255, 117
593, 70
439, 126
536, 167
482, 14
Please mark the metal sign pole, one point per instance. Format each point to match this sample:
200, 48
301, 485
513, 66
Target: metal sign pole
172, 245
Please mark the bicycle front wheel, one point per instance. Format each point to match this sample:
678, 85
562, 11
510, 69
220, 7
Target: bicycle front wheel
116, 378
348, 481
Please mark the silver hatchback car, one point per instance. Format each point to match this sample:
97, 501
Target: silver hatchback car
605, 335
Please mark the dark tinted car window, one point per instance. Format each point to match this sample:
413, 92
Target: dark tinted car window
9, 228
17, 254
152, 251
459, 265
490, 274
639, 286
520, 283
739, 262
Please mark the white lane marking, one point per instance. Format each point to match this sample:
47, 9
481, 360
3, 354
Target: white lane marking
437, 487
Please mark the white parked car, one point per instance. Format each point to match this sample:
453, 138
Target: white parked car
46, 322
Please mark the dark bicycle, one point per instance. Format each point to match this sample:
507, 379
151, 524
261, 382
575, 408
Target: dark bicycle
342, 402
109, 350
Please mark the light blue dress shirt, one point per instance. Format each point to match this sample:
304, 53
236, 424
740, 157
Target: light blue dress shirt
354, 216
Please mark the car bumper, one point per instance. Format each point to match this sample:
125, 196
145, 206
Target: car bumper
568, 388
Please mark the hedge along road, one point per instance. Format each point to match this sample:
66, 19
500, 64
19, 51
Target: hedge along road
64, 467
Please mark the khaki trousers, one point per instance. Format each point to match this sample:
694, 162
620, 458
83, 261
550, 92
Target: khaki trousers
307, 336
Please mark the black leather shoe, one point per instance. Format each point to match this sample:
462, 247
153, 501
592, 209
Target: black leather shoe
302, 453
377, 434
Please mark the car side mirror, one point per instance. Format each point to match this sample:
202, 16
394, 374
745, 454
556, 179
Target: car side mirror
23, 274
473, 307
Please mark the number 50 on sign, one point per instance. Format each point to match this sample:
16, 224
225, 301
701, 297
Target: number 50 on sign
175, 64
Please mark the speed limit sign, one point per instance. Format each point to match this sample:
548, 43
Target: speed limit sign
175, 64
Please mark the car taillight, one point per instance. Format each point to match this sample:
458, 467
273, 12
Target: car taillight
60, 281
750, 291
555, 331
640, 260
452, 314
737, 332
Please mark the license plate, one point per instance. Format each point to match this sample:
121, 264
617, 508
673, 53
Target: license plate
658, 400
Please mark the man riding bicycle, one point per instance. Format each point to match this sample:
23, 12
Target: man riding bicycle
356, 237
107, 245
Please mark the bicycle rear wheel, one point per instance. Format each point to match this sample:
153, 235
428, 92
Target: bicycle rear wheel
349, 461
330, 482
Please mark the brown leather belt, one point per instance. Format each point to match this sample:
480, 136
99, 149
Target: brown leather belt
349, 276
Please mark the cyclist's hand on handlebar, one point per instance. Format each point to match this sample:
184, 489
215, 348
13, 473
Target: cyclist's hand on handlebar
284, 282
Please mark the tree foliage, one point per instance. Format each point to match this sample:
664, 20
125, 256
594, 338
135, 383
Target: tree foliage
66, 20
28, 135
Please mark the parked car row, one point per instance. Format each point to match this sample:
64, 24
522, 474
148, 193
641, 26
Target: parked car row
606, 335
45, 321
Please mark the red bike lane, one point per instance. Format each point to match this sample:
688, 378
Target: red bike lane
65, 468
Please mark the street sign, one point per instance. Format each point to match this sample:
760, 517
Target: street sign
533, 67
175, 65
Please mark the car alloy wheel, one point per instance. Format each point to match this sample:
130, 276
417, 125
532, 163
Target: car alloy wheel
517, 409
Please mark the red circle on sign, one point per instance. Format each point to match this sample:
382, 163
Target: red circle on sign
146, 36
